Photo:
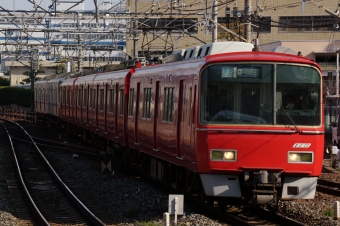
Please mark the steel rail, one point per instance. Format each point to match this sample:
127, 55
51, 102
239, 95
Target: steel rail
87, 213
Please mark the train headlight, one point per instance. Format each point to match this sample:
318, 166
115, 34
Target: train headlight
300, 157
229, 155
223, 155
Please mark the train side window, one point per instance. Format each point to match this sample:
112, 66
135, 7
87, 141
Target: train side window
121, 101
190, 105
85, 98
132, 92
168, 104
111, 100
79, 97
90, 99
94, 101
101, 99
67, 97
147, 103
64, 96
54, 96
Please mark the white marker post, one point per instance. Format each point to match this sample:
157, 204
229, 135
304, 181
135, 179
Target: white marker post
176, 206
336, 210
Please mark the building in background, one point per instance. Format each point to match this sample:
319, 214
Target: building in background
67, 33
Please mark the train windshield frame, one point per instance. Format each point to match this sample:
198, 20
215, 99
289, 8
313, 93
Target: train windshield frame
260, 93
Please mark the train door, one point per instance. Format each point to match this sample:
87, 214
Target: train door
137, 113
155, 118
192, 99
180, 123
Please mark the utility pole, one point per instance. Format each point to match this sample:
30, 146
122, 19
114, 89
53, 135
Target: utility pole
80, 57
214, 18
135, 34
247, 25
34, 69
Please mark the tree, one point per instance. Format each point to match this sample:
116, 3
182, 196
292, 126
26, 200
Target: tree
28, 73
28, 80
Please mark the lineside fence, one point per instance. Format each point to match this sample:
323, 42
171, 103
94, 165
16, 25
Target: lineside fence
16, 112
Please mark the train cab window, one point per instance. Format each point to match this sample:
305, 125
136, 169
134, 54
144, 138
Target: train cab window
147, 103
237, 94
168, 104
101, 99
245, 93
131, 96
121, 101
111, 100
298, 95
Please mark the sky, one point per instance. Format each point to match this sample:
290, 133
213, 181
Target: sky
26, 5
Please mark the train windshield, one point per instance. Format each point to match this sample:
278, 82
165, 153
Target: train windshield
249, 93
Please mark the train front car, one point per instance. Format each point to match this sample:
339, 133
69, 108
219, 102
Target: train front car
260, 134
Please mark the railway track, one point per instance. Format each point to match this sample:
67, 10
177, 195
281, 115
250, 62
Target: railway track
231, 215
48, 198
328, 187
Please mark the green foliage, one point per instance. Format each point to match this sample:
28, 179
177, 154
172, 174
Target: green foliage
28, 73
4, 81
15, 95
28, 80
329, 212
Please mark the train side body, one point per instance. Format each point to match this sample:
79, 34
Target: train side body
165, 133
228, 117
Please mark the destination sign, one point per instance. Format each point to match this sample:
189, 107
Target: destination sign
241, 71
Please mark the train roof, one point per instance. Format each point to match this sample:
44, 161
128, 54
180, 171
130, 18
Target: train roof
260, 56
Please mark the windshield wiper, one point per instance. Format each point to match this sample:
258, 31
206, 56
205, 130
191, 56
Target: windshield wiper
291, 120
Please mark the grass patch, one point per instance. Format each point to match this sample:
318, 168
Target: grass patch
329, 212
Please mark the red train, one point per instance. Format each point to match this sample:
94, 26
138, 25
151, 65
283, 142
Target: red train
238, 124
